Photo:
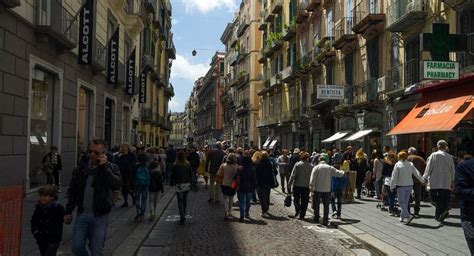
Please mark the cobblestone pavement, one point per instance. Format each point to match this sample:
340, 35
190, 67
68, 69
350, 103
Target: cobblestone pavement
206, 232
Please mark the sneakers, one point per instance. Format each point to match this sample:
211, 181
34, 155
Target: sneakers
402, 219
247, 216
410, 219
443, 216
241, 219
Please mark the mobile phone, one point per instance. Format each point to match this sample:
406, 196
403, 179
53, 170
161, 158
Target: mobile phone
97, 160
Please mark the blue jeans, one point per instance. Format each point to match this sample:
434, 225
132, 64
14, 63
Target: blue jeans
468, 228
88, 227
337, 206
403, 194
141, 198
244, 202
390, 199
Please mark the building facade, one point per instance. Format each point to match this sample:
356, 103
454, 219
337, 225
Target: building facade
209, 112
178, 129
370, 51
242, 72
49, 99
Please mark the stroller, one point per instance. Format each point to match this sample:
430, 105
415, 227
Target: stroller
368, 188
383, 203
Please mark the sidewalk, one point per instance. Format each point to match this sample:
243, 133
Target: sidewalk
123, 234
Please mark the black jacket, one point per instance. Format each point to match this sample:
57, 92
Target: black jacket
214, 160
193, 159
464, 189
181, 174
265, 173
106, 180
247, 179
47, 222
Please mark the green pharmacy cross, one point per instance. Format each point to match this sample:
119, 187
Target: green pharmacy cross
440, 43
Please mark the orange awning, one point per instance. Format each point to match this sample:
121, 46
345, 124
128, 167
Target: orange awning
439, 110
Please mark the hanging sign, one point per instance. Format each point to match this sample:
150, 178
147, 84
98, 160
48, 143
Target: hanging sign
113, 58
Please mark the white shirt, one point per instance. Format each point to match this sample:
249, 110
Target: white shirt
402, 174
439, 170
321, 177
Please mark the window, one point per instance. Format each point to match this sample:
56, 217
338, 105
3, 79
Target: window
373, 58
292, 98
85, 115
330, 73
348, 68
43, 122
330, 23
303, 93
278, 103
412, 58
270, 108
109, 117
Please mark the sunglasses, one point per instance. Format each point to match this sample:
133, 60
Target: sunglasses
95, 152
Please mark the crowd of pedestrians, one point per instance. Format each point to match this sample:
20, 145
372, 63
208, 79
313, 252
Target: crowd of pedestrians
329, 177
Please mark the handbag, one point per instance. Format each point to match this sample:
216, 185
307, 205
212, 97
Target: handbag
275, 182
234, 185
288, 200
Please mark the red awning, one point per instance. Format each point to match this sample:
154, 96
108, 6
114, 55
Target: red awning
439, 110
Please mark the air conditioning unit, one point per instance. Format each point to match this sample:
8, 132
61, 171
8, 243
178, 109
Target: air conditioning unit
381, 84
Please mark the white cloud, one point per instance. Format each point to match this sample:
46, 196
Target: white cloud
175, 105
183, 69
204, 6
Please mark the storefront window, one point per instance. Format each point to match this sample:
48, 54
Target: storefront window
42, 120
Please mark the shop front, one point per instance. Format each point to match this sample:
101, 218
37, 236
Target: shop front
445, 111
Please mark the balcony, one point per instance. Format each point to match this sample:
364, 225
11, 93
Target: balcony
275, 41
170, 49
466, 61
313, 5
242, 55
289, 31
146, 115
169, 91
277, 5
148, 61
135, 18
243, 107
243, 25
306, 63
233, 58
268, 16
368, 15
302, 14
326, 51
275, 80
287, 74
262, 25
157, 21
344, 34
57, 24
99, 56
365, 93
394, 80
406, 14
261, 57
315, 62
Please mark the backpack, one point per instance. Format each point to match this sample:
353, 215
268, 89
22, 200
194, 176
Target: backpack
142, 177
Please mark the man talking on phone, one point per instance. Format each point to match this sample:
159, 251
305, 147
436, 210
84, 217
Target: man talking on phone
92, 191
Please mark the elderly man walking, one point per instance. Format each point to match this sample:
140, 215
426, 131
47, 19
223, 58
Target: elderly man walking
320, 184
440, 175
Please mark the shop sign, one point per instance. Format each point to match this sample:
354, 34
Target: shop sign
440, 70
86, 19
330, 92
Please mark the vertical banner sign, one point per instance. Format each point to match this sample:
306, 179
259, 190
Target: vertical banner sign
130, 80
113, 58
142, 91
85, 32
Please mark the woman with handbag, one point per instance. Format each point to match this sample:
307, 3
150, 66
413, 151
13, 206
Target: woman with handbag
226, 174
266, 180
247, 183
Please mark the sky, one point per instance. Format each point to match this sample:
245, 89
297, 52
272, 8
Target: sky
196, 24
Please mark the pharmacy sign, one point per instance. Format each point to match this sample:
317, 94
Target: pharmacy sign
440, 70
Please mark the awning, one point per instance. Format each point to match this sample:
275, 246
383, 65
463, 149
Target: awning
267, 142
334, 137
359, 135
272, 145
439, 110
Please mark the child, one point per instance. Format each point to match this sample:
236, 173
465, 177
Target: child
141, 183
47, 221
156, 185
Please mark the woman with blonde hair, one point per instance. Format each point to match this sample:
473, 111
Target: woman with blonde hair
227, 171
361, 167
402, 181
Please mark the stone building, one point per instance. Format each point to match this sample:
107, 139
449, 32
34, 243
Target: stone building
48, 98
